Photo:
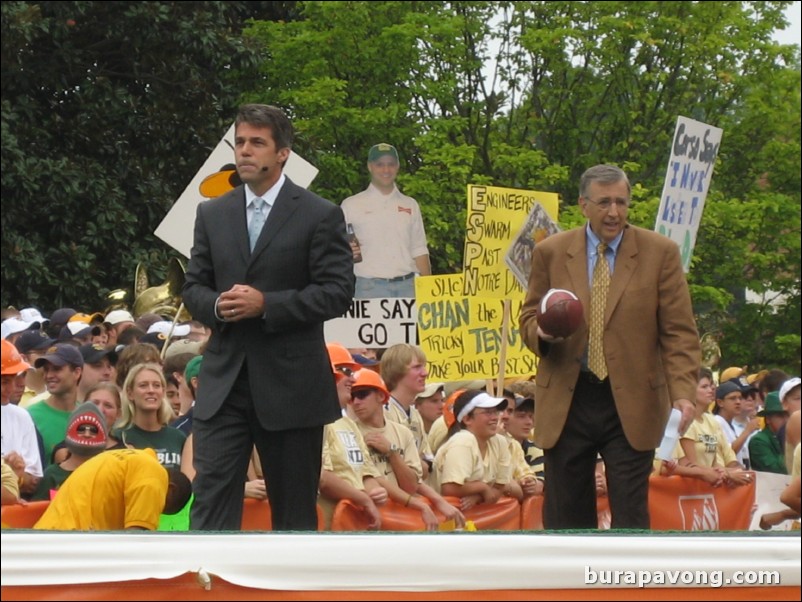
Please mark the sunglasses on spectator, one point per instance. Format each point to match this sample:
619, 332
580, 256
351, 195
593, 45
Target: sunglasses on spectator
344, 370
361, 393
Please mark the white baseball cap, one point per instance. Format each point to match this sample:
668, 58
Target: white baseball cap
31, 314
164, 326
788, 385
118, 316
483, 400
14, 325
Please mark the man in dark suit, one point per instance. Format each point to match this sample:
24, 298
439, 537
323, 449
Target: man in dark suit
265, 293
648, 357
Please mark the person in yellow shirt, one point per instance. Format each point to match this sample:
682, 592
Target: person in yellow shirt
117, 489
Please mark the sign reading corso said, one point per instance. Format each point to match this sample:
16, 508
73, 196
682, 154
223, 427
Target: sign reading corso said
495, 216
461, 336
690, 168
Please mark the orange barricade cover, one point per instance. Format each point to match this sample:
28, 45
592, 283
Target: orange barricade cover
504, 515
256, 516
687, 504
395, 517
532, 512
17, 516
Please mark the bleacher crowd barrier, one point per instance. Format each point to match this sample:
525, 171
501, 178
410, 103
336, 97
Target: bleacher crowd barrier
675, 503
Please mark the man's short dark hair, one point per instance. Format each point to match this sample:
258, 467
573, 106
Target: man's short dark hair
270, 117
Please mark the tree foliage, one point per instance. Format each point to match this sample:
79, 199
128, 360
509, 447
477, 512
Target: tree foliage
108, 110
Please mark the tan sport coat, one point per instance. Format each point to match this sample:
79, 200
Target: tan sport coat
650, 339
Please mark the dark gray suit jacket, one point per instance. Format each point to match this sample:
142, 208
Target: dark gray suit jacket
303, 265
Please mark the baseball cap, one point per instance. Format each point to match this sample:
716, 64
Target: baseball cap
364, 361
164, 326
377, 151
62, 315
77, 330
181, 346
483, 400
726, 388
11, 361
94, 352
31, 314
14, 325
94, 318
145, 320
61, 354
757, 377
786, 387
117, 316
33, 340
730, 373
193, 367
521, 401
154, 338
430, 390
743, 383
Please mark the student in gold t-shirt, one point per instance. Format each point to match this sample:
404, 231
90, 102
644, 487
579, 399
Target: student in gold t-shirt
117, 489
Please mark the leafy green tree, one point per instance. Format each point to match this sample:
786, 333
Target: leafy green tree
108, 110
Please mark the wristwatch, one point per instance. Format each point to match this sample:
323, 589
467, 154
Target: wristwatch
394, 449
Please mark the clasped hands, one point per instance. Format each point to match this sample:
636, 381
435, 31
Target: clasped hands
239, 303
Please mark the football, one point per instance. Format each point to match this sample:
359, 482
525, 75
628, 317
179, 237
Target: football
560, 313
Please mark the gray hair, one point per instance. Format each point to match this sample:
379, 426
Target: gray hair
606, 174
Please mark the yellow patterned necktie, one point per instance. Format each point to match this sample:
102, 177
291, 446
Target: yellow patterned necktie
598, 302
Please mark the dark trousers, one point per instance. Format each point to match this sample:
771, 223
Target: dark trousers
222, 447
593, 427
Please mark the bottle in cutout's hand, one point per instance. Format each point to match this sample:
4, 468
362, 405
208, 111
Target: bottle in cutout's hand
354, 242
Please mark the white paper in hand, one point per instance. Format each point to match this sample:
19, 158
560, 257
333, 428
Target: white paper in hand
670, 436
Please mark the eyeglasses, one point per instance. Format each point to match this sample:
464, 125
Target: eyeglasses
605, 204
87, 429
361, 393
344, 370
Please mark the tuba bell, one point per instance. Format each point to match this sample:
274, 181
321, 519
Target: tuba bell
163, 299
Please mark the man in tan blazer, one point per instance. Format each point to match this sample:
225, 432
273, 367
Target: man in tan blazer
650, 347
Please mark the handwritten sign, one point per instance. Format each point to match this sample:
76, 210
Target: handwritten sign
461, 336
690, 169
495, 216
375, 323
